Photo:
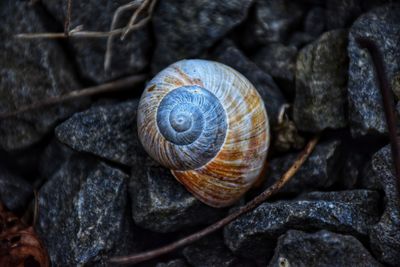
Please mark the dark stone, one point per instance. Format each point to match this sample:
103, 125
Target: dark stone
185, 29
274, 20
255, 233
30, 71
83, 213
15, 192
210, 252
385, 235
129, 56
314, 23
320, 171
300, 39
230, 55
322, 249
173, 263
277, 60
353, 164
53, 157
321, 80
342, 13
108, 131
382, 26
162, 204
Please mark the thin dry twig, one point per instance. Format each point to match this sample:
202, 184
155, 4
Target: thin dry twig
221, 223
387, 99
67, 21
132, 25
103, 88
118, 12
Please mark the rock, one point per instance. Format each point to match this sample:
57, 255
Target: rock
322, 249
382, 26
210, 252
255, 233
342, 13
53, 157
385, 235
229, 54
162, 204
396, 85
108, 131
30, 70
129, 56
187, 29
274, 20
83, 213
320, 171
15, 192
279, 61
314, 23
321, 80
173, 263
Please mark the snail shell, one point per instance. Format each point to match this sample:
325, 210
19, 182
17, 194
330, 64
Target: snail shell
208, 124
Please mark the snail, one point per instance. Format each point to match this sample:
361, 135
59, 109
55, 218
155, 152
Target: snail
206, 123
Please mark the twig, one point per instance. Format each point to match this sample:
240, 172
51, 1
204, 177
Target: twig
387, 99
135, 14
118, 12
106, 87
67, 21
221, 223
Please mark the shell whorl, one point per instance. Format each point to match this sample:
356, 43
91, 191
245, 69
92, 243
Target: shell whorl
207, 123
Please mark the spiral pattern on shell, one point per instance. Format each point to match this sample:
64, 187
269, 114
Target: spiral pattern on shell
207, 123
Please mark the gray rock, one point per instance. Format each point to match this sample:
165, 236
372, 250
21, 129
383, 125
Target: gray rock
321, 80
255, 233
322, 249
185, 29
230, 55
108, 131
30, 71
385, 235
320, 171
342, 13
314, 22
173, 263
53, 157
15, 192
277, 60
381, 25
83, 213
210, 252
162, 204
275, 19
129, 56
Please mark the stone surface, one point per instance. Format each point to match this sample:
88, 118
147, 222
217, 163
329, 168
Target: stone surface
385, 235
314, 22
277, 60
274, 20
320, 171
162, 204
128, 56
185, 29
230, 55
210, 252
342, 13
255, 233
173, 263
83, 213
30, 71
108, 131
382, 26
322, 249
15, 192
321, 80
